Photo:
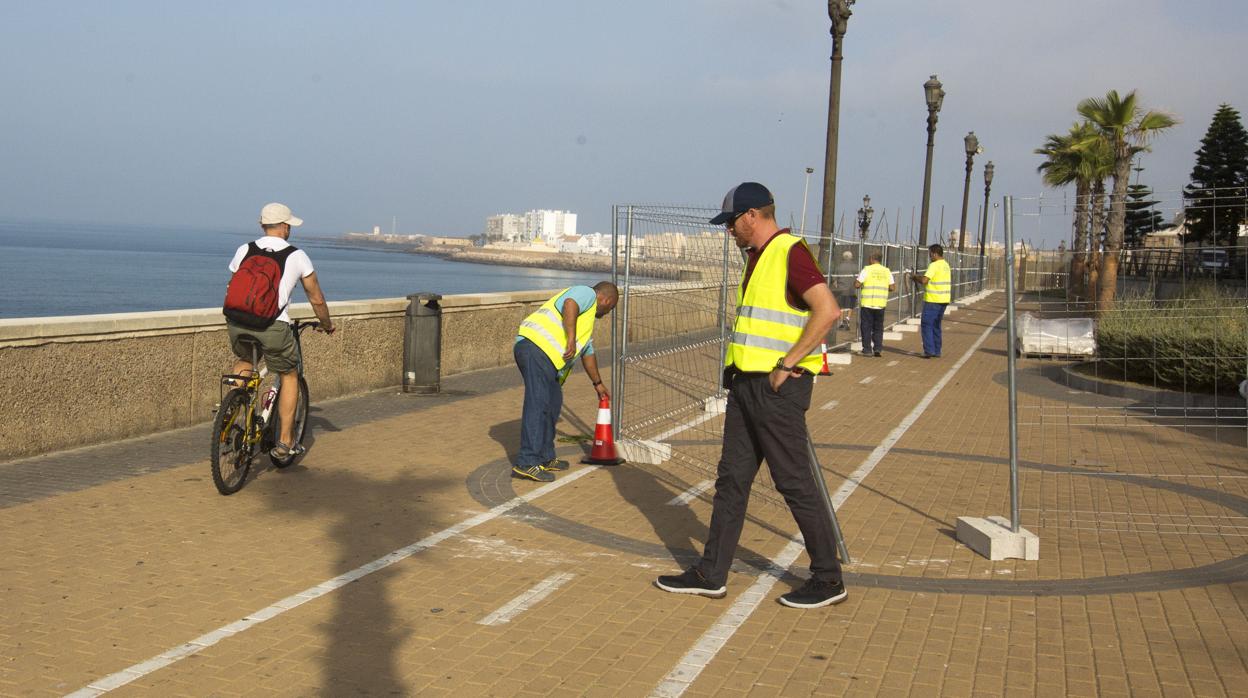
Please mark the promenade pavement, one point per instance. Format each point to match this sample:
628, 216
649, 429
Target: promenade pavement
399, 558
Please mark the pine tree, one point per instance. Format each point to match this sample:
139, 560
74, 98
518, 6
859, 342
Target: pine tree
1142, 217
1217, 197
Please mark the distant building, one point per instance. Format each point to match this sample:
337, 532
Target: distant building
526, 227
449, 242
505, 226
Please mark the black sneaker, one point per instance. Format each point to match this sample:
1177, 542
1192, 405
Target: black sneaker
877, 354
814, 594
690, 581
554, 464
532, 472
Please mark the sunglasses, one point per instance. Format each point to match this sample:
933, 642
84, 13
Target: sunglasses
733, 220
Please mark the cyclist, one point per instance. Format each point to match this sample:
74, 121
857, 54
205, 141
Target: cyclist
255, 305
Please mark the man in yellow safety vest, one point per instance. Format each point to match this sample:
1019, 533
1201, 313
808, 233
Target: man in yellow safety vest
784, 310
547, 343
936, 294
876, 282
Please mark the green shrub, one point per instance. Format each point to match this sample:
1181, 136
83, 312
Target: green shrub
1199, 343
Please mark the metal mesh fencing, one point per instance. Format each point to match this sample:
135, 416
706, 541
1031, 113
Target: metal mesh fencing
1130, 380
678, 277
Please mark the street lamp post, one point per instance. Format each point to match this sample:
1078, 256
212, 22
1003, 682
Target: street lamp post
864, 227
864, 217
972, 149
805, 191
983, 226
935, 96
838, 12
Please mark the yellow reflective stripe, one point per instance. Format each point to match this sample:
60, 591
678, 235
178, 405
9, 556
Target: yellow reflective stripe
939, 280
540, 329
766, 326
778, 316
753, 340
544, 327
875, 288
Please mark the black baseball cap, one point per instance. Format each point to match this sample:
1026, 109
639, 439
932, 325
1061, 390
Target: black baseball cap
741, 198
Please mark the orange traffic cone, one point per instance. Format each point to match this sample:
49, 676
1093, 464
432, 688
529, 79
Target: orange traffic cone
825, 370
603, 452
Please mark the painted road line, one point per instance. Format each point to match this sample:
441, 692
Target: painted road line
691, 494
687, 425
527, 600
125, 676
866, 380
830, 404
687, 670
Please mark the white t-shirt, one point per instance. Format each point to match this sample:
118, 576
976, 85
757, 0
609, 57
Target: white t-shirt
298, 267
862, 277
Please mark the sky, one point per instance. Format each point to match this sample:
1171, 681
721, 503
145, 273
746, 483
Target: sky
441, 114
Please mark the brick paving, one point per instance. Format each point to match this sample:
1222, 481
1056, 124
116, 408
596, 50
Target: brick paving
115, 554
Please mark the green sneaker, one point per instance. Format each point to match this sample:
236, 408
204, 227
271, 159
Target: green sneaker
555, 465
532, 472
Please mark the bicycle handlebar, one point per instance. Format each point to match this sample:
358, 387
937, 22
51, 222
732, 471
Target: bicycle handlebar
301, 325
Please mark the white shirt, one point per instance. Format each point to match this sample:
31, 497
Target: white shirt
862, 277
298, 267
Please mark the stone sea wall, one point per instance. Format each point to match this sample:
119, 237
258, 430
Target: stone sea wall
79, 380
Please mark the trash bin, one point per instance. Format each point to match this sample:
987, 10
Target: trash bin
422, 344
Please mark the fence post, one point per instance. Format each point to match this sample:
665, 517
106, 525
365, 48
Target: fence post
615, 319
618, 402
723, 317
1011, 360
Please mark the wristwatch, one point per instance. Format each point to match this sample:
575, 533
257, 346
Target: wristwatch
780, 365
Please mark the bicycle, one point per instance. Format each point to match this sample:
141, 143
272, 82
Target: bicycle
248, 421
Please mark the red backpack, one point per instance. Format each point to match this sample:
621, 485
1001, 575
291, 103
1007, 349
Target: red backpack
251, 298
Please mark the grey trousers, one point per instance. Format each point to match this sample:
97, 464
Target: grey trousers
764, 425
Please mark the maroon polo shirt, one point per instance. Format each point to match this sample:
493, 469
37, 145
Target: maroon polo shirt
803, 271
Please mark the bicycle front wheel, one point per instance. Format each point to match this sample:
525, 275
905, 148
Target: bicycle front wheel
231, 454
299, 426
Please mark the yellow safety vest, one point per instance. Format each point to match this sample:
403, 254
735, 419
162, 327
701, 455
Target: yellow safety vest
544, 327
875, 288
938, 279
767, 327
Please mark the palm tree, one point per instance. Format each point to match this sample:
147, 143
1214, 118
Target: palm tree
1127, 129
1080, 158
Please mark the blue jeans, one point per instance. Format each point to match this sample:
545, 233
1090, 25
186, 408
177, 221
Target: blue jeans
930, 327
543, 399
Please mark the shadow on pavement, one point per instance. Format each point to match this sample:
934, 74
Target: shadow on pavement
507, 435
370, 518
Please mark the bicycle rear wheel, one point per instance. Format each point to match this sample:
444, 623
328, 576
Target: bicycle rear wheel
300, 425
231, 454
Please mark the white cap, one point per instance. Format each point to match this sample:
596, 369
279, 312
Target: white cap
275, 213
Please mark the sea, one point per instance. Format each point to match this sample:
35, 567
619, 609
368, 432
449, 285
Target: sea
53, 269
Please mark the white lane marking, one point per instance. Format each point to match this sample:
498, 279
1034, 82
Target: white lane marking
527, 600
679, 679
866, 380
830, 404
687, 425
691, 494
894, 362
125, 676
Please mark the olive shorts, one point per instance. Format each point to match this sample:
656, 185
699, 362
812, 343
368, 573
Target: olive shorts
277, 345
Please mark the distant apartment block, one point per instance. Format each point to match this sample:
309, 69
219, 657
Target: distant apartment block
505, 226
549, 226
